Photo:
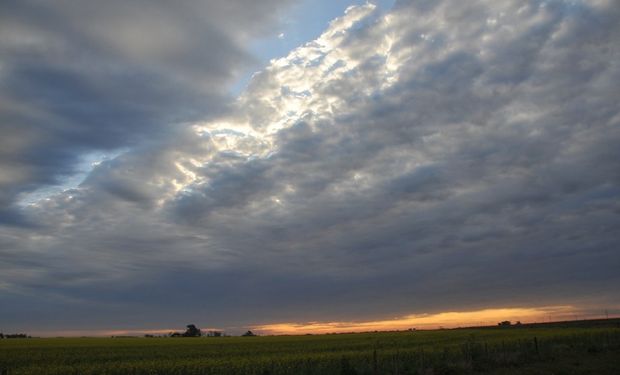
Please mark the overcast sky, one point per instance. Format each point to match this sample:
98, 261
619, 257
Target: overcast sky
243, 163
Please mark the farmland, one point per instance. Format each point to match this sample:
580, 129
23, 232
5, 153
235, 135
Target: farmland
577, 348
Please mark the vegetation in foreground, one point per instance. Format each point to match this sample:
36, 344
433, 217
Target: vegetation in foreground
580, 348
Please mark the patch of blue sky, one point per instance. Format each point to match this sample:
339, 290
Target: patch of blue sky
86, 164
303, 23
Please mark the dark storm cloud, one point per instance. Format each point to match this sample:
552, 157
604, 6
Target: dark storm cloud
447, 156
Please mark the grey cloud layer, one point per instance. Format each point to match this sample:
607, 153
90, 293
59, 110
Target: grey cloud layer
101, 76
447, 155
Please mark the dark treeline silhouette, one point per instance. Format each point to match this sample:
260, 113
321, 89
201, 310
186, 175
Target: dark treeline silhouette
193, 331
14, 336
508, 323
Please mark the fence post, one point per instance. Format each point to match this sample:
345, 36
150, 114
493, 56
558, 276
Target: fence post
422, 358
396, 359
536, 346
374, 362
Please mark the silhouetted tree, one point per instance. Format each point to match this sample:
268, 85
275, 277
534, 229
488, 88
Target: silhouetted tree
248, 334
505, 323
192, 331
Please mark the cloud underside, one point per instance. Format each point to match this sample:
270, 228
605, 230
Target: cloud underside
444, 156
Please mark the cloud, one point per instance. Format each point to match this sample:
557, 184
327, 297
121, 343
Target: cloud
103, 77
440, 157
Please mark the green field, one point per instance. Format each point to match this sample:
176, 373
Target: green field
540, 349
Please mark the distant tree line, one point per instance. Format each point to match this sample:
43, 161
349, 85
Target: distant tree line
14, 336
193, 331
508, 323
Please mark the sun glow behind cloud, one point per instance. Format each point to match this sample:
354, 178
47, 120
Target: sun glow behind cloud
293, 97
448, 319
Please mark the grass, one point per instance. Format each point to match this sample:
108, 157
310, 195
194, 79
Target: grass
549, 349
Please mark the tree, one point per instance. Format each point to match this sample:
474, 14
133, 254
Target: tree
249, 334
192, 331
16, 336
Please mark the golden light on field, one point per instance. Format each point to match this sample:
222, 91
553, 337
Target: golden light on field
451, 319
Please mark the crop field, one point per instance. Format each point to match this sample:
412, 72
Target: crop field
538, 349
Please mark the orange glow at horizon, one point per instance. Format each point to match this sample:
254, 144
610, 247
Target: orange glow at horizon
451, 319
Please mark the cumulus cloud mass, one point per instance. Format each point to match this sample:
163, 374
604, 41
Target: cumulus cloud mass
440, 156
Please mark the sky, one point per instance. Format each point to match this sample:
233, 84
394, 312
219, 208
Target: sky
307, 166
